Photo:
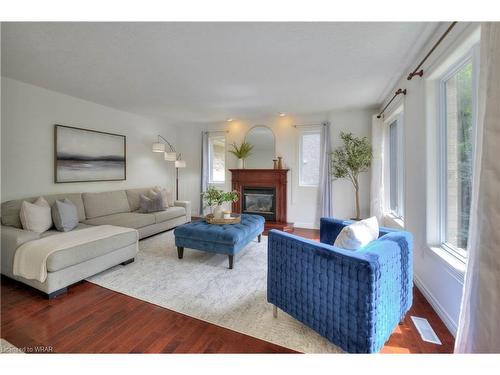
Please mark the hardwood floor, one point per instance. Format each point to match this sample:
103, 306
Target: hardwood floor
92, 319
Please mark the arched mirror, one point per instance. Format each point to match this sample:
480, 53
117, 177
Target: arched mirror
263, 152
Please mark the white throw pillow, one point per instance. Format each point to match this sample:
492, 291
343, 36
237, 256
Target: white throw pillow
358, 234
36, 217
167, 196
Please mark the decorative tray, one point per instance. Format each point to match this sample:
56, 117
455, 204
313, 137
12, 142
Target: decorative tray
235, 219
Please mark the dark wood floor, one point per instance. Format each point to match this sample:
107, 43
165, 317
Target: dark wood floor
92, 319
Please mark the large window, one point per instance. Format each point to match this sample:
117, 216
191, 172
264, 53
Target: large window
217, 158
458, 96
309, 154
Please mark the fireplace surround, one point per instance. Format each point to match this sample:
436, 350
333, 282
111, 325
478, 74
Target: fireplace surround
263, 192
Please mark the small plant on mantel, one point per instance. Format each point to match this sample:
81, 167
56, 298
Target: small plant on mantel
241, 152
214, 198
348, 161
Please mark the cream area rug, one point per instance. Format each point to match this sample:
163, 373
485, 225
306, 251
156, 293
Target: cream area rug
201, 285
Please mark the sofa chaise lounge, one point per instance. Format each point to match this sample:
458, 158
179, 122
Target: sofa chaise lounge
66, 267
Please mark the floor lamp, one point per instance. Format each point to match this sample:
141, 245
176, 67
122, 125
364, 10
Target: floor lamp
178, 164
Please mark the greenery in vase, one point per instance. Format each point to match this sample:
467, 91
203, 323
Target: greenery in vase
215, 197
243, 151
351, 159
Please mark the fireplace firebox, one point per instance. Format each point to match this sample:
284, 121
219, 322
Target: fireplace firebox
260, 201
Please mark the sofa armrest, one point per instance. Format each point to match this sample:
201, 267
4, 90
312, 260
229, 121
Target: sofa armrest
187, 206
11, 239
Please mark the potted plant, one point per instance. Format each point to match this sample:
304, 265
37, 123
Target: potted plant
214, 198
242, 152
351, 159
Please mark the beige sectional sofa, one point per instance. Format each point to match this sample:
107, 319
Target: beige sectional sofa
66, 267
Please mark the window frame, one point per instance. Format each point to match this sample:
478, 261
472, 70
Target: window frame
211, 138
301, 135
471, 56
398, 117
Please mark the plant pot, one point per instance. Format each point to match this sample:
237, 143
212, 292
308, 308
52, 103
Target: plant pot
241, 163
218, 212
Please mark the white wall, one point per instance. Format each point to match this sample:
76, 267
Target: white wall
27, 135
302, 201
440, 281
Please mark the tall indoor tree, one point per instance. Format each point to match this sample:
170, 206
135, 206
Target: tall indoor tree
351, 159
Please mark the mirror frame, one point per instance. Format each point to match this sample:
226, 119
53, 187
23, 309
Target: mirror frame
263, 126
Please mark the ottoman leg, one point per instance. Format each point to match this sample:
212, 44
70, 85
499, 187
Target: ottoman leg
231, 260
259, 237
180, 252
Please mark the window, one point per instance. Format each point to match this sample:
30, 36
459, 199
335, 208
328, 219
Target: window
309, 155
395, 178
458, 96
217, 158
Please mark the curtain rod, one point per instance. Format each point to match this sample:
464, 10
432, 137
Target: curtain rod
420, 72
399, 92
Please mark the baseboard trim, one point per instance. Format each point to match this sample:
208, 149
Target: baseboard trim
305, 225
438, 308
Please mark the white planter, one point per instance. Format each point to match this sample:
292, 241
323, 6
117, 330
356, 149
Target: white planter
241, 163
218, 212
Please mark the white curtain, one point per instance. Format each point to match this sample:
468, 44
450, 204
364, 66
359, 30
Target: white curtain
377, 170
479, 323
204, 168
325, 180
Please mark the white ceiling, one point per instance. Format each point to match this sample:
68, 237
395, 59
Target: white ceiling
197, 72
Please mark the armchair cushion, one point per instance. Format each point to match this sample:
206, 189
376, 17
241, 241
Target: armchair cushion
357, 234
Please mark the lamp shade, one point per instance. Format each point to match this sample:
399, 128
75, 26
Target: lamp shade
158, 147
170, 156
180, 164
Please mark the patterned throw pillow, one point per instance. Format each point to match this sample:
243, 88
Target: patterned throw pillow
147, 205
36, 216
65, 215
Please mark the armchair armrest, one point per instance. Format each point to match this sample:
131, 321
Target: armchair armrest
187, 206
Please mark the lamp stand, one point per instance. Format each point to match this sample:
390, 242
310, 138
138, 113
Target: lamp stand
176, 184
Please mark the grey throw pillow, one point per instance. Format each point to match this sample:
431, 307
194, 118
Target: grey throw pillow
153, 204
64, 215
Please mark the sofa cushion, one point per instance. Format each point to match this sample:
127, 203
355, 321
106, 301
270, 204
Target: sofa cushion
36, 216
55, 231
169, 214
151, 204
128, 219
133, 196
11, 209
89, 250
64, 215
105, 203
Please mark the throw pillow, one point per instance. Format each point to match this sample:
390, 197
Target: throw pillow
36, 216
358, 234
148, 205
168, 197
65, 215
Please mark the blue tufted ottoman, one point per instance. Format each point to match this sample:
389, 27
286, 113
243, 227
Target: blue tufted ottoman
222, 239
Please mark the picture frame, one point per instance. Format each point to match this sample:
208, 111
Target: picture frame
87, 155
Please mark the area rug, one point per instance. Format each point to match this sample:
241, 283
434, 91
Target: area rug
202, 286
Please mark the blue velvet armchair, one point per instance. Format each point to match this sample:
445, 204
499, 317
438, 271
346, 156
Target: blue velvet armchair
353, 298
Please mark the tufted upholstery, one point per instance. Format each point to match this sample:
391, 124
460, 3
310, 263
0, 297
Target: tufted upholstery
224, 239
353, 298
